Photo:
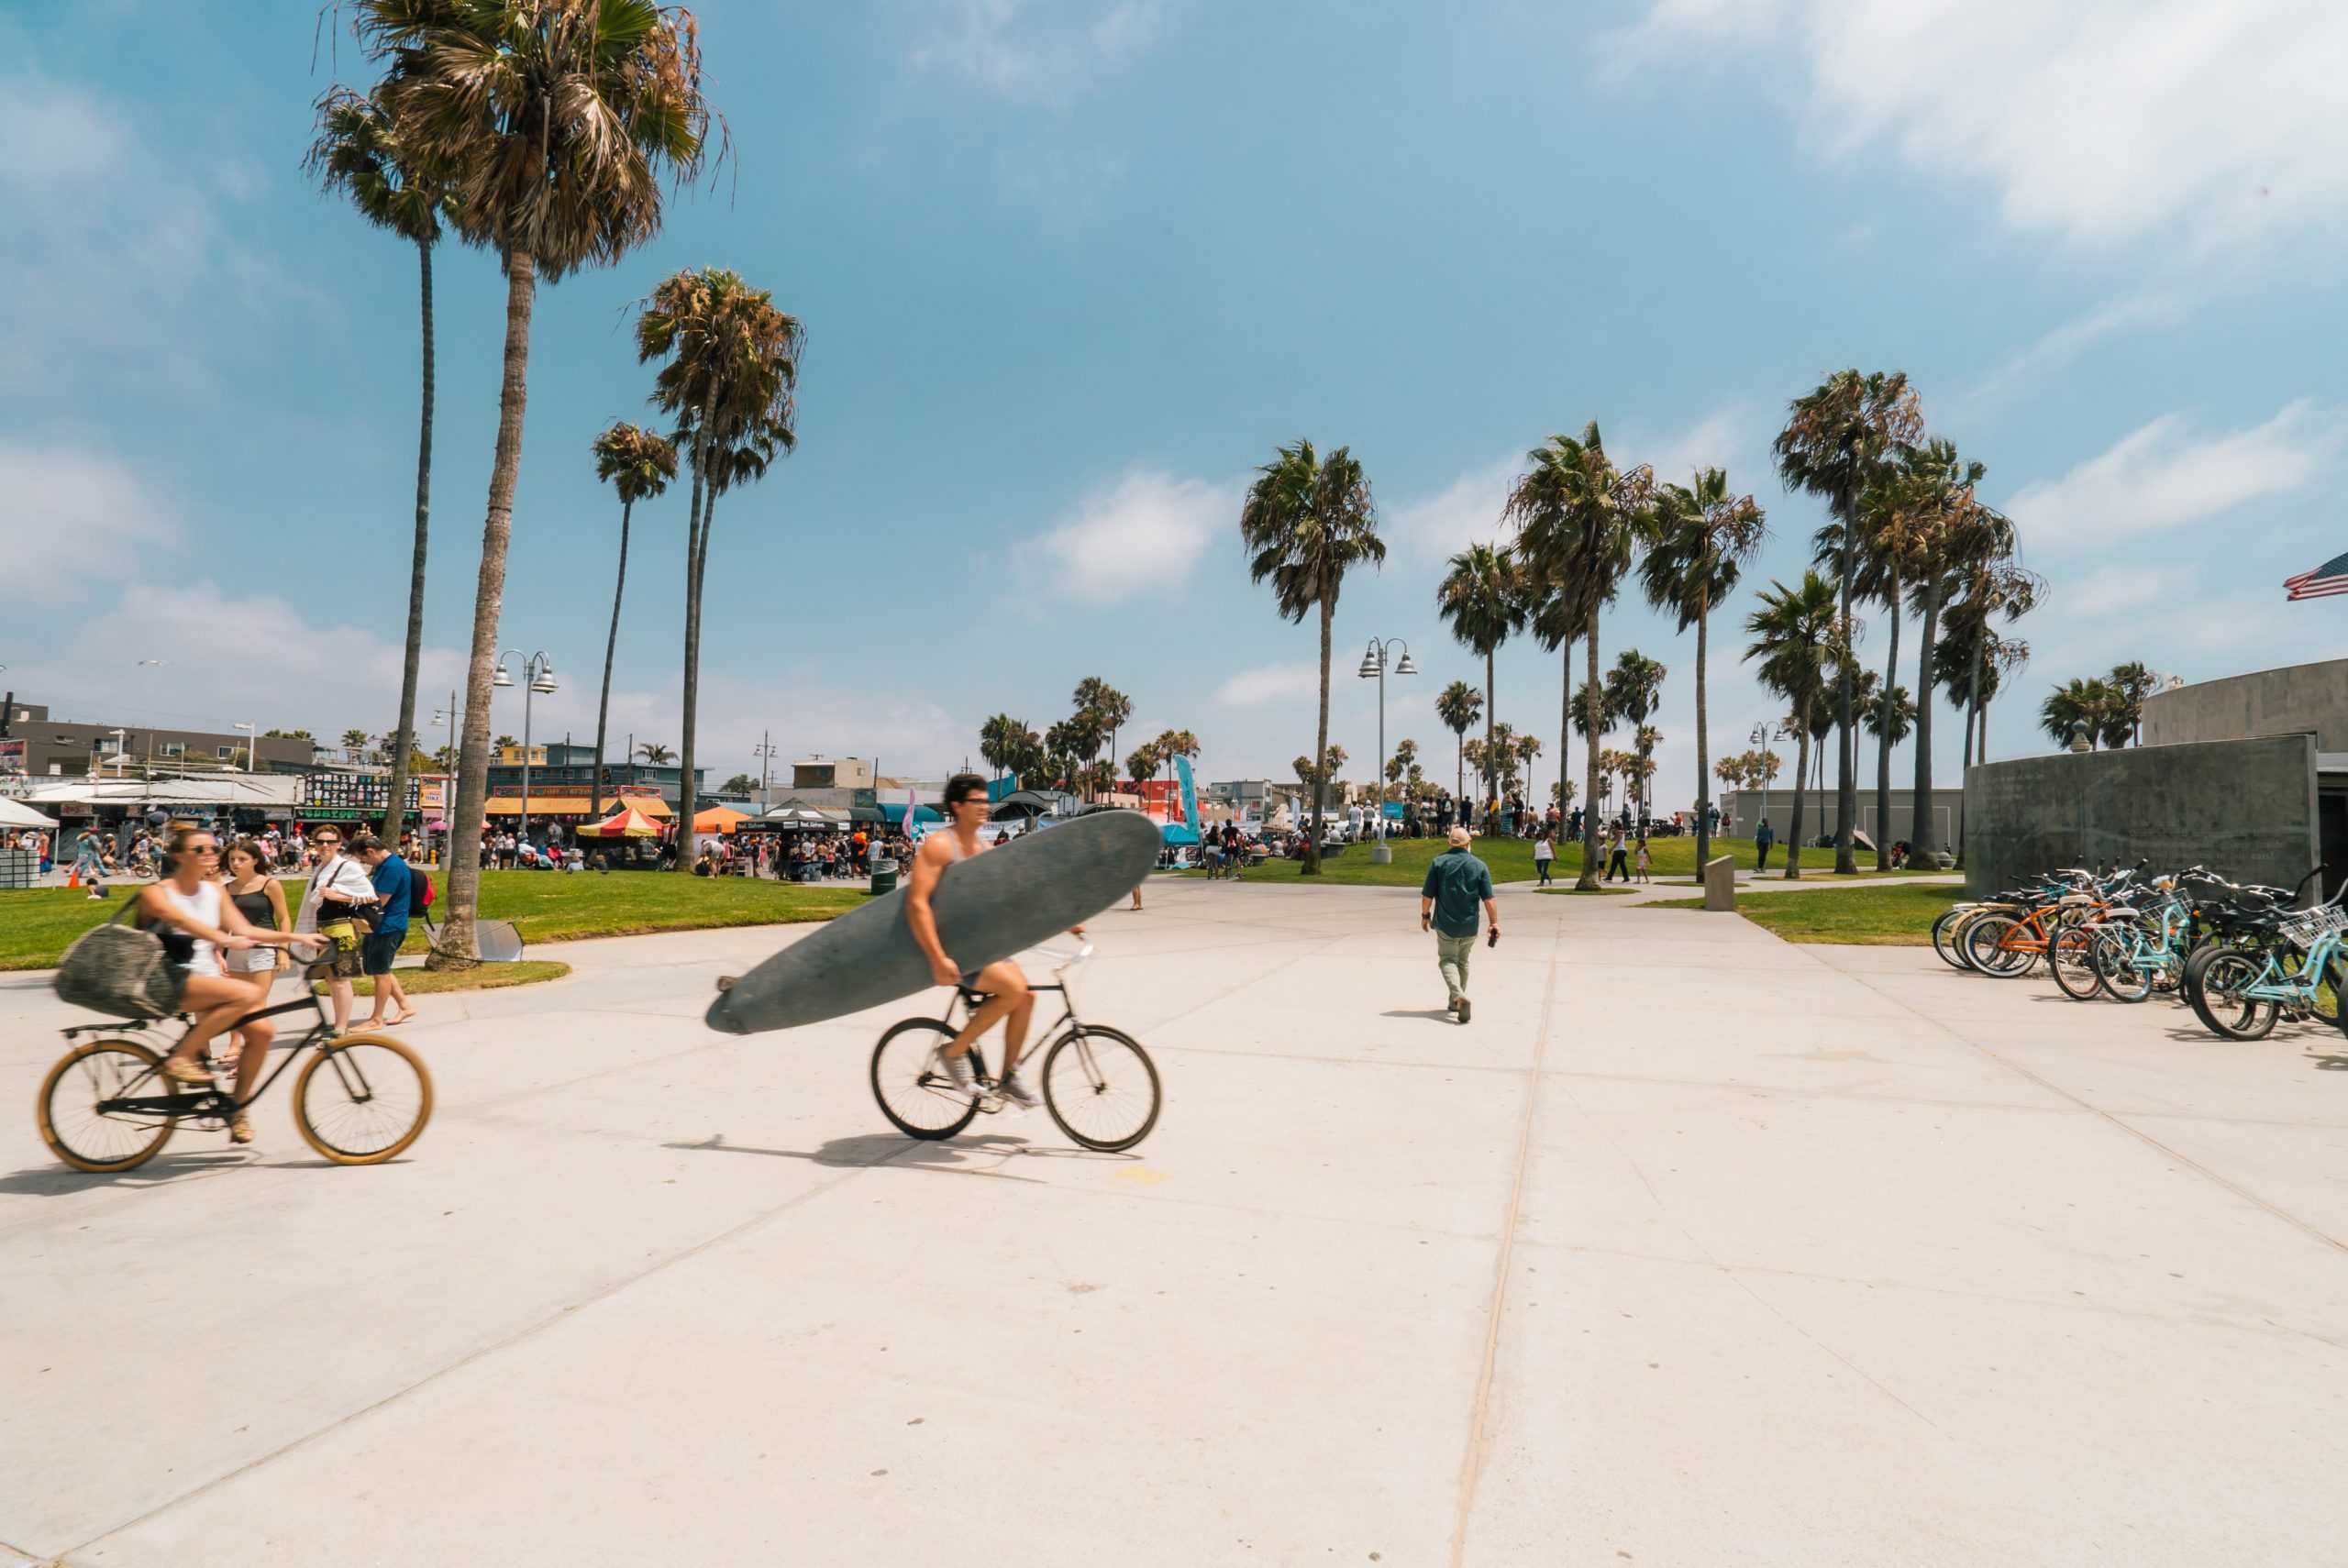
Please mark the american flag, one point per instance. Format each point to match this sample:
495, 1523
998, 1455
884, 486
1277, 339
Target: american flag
2330, 578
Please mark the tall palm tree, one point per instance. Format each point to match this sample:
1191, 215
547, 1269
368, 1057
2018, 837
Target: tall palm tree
1961, 537
1142, 763
2131, 683
1702, 536
654, 753
1632, 687
1459, 706
997, 738
359, 151
1528, 746
1482, 596
638, 465
2090, 702
356, 740
554, 121
1557, 620
1838, 441
1888, 714
1109, 707
1795, 636
1306, 522
1578, 519
730, 380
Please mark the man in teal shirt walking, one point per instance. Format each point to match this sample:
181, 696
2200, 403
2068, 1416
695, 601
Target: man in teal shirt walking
1456, 883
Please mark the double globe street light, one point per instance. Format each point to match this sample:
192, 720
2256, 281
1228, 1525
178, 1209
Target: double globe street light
537, 673
1373, 667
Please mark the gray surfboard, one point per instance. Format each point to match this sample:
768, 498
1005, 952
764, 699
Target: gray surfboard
997, 903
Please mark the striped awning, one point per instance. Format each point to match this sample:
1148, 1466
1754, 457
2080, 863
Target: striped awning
576, 806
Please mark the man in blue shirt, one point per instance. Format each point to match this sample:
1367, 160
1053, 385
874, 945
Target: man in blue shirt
1456, 885
394, 886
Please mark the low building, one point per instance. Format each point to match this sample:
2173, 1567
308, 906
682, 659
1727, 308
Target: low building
1741, 815
831, 773
33, 744
557, 767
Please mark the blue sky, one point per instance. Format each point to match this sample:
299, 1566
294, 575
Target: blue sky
1071, 270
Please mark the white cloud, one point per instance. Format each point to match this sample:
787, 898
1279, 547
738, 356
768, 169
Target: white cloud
60, 492
1269, 683
1466, 513
2098, 124
1139, 535
2064, 344
2161, 477
1729, 438
1032, 52
2114, 590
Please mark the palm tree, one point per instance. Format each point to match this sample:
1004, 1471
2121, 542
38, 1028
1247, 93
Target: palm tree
1702, 536
1795, 636
553, 121
1632, 687
2131, 683
1142, 763
1838, 442
1401, 763
638, 465
502, 743
356, 741
1888, 715
1306, 522
1459, 706
1579, 519
997, 739
730, 380
1482, 595
359, 151
1963, 538
1109, 707
1528, 746
2092, 702
653, 752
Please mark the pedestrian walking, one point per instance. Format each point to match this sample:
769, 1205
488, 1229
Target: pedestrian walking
1457, 885
1642, 859
1762, 839
1617, 859
1544, 852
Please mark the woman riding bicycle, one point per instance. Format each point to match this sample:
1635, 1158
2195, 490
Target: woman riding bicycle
197, 923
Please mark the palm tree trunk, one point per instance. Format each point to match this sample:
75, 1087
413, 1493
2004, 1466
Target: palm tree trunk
396, 809
1847, 783
1565, 732
611, 647
458, 947
1703, 738
704, 502
1793, 832
1319, 782
1459, 767
1923, 830
1883, 740
1491, 714
1589, 877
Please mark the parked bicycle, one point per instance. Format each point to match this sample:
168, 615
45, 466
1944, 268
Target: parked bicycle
1099, 1083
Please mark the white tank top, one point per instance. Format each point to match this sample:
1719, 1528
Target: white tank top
204, 904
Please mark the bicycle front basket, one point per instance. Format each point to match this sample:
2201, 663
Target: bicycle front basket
2303, 929
118, 971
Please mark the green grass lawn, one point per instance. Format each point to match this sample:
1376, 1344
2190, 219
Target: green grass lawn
1669, 859
484, 977
37, 924
1849, 915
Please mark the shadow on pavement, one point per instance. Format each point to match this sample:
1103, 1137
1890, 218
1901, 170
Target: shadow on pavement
867, 1149
163, 1170
1441, 1014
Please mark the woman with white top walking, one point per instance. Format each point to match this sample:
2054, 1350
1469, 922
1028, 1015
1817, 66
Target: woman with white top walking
341, 892
1544, 852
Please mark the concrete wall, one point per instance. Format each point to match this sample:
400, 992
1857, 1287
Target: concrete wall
2305, 697
2244, 808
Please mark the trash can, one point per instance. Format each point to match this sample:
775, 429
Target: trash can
884, 874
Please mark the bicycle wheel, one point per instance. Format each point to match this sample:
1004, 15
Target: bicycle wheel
88, 1139
2070, 959
362, 1099
2113, 957
1984, 946
909, 1080
1101, 1087
1945, 932
2234, 1017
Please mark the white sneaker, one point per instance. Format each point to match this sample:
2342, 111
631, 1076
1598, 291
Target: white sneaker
1014, 1092
959, 1074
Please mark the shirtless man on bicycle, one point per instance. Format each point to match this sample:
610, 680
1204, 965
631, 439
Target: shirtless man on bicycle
1008, 998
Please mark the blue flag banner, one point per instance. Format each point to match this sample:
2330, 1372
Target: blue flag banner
1190, 795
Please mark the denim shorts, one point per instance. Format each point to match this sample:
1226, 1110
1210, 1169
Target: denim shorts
378, 949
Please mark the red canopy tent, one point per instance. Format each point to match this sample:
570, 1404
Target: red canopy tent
627, 823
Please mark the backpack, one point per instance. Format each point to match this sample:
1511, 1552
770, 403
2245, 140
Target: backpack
419, 890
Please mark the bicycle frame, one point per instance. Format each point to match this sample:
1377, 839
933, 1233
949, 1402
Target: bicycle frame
970, 1001
192, 1102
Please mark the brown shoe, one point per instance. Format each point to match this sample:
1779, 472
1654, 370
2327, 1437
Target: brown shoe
180, 1070
240, 1129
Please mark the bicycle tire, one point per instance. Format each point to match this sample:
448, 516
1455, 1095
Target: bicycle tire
1088, 1084
926, 1089
341, 1059
1984, 948
2114, 959
1945, 932
2251, 1020
2070, 959
69, 1145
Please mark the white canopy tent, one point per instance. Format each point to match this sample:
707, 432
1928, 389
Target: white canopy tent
15, 815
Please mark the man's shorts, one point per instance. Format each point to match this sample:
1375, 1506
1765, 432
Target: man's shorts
378, 948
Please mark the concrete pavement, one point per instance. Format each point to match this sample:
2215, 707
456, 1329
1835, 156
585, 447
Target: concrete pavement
1694, 1248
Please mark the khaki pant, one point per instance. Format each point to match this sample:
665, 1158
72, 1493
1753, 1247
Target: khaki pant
1451, 957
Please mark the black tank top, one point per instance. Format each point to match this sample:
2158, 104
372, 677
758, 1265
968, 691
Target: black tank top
254, 906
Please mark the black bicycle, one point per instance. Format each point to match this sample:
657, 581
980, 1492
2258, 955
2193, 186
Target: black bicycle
1098, 1082
359, 1100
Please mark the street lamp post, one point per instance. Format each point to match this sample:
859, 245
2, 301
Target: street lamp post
537, 676
250, 744
1373, 666
764, 752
